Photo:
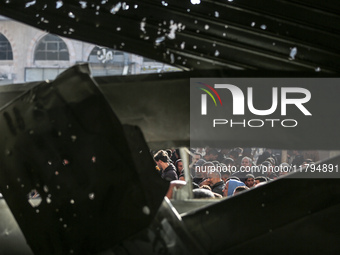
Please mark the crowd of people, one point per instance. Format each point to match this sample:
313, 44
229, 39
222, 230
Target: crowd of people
217, 173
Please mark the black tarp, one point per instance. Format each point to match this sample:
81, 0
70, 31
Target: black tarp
63, 140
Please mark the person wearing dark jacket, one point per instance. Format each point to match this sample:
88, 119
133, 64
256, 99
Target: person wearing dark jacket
215, 182
163, 162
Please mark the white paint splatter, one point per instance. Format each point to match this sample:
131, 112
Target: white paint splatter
30, 4
195, 1
292, 54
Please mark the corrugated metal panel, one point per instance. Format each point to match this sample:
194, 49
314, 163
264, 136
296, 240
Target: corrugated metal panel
242, 34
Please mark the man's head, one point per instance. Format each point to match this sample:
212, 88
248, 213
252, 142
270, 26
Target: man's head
260, 179
249, 180
246, 161
198, 167
234, 155
228, 161
195, 157
211, 154
162, 159
240, 189
179, 165
214, 177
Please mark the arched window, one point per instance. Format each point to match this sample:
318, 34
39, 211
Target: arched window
5, 49
51, 47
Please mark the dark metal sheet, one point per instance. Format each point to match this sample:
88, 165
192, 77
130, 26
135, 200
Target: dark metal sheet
289, 215
63, 140
210, 35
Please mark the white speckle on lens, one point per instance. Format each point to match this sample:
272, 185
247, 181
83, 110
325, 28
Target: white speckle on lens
73, 138
159, 40
91, 196
72, 201
206, 27
217, 53
93, 159
318, 69
118, 28
83, 4
253, 24
71, 15
263, 27
292, 54
116, 8
164, 3
45, 188
195, 1
59, 4
125, 6
146, 210
48, 200
30, 4
182, 45
172, 58
217, 14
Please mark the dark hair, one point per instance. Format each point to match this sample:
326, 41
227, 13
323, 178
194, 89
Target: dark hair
240, 188
234, 154
228, 161
203, 193
176, 163
162, 156
309, 161
197, 153
249, 176
211, 151
261, 178
169, 152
